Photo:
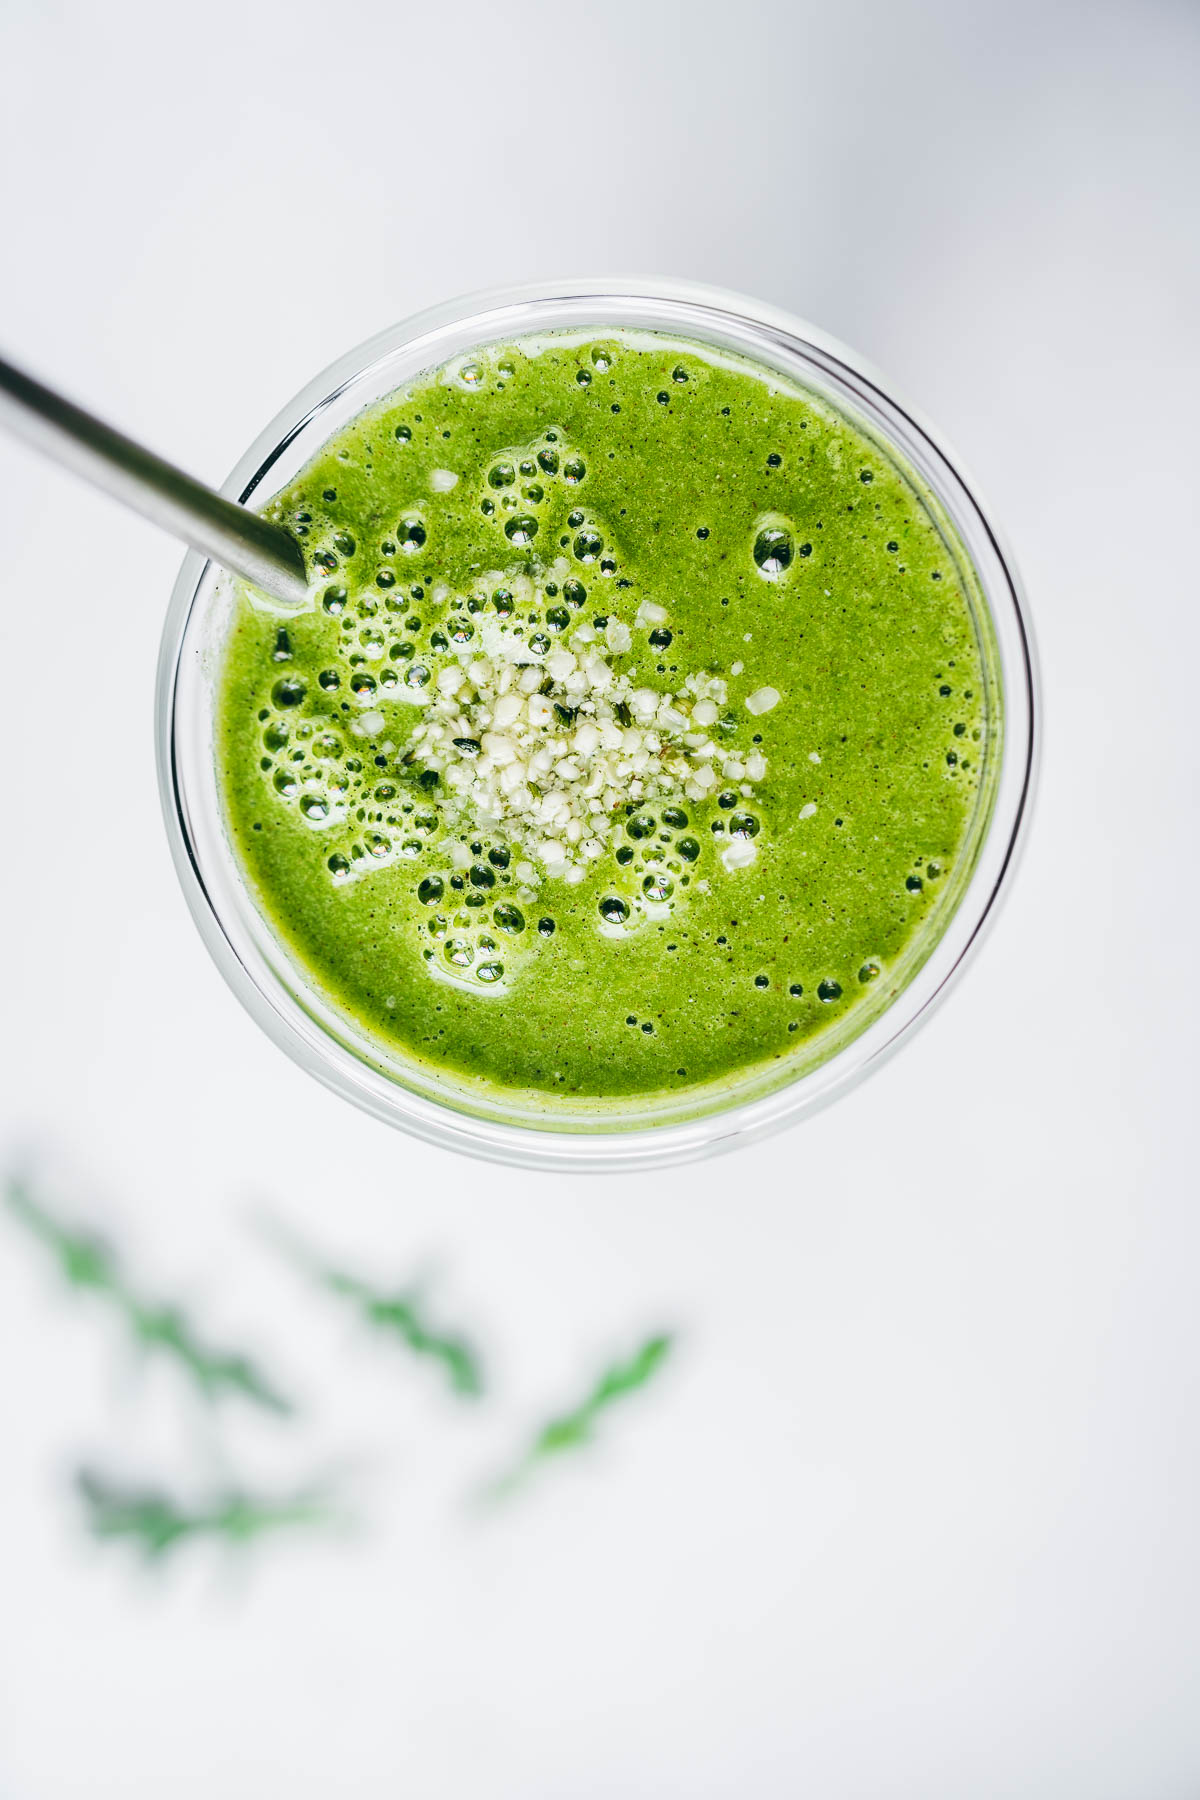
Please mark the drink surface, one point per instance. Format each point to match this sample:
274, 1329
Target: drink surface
634, 741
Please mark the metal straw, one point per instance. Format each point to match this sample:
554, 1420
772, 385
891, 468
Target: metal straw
263, 553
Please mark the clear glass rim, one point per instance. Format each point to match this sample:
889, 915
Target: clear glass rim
343, 390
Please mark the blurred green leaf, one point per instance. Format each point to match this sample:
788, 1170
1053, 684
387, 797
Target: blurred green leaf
157, 1523
89, 1263
400, 1315
572, 1430
396, 1314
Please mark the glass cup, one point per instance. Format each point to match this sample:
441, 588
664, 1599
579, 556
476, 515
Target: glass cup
281, 993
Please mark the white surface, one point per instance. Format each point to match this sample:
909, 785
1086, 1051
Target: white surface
914, 1513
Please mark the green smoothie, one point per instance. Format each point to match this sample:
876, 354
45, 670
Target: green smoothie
635, 746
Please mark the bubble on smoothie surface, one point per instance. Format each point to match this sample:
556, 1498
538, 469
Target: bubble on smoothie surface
773, 546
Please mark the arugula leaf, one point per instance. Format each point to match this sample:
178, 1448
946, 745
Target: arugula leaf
574, 1429
157, 1522
396, 1313
89, 1263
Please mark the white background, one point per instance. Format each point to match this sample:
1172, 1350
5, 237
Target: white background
914, 1511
